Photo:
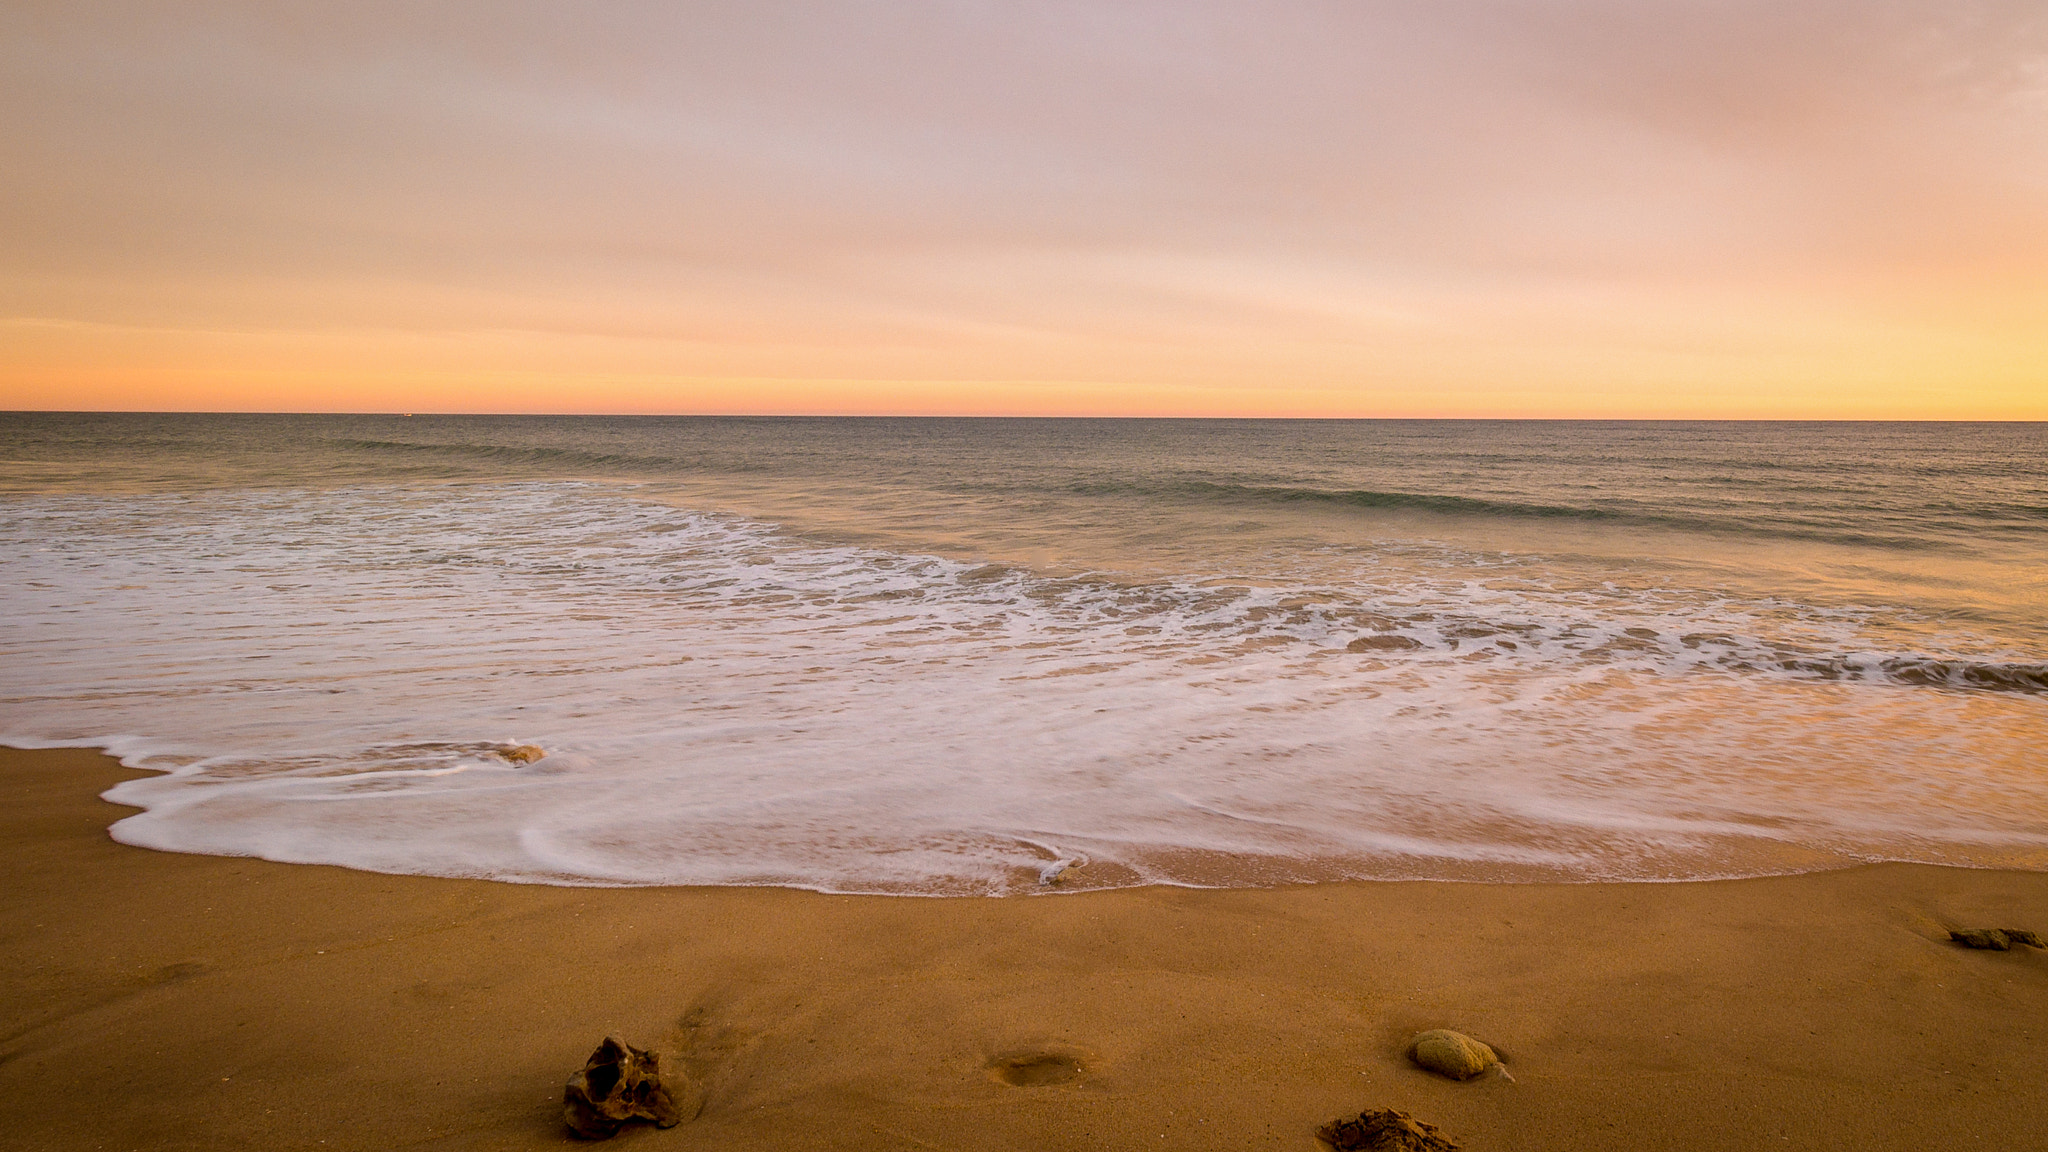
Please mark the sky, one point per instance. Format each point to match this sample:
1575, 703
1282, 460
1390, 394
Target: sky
1346, 208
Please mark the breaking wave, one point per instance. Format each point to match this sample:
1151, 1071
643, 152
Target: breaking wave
326, 675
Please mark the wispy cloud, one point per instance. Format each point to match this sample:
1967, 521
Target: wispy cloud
1697, 203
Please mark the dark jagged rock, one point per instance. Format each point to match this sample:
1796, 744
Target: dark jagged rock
1384, 1130
618, 1083
1996, 939
1981, 938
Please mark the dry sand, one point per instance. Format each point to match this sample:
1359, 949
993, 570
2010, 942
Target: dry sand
163, 1002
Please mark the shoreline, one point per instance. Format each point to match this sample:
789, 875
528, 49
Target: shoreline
1195, 869
217, 1002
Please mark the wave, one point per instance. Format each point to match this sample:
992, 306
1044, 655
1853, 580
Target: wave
1471, 506
1617, 641
725, 701
1934, 672
519, 454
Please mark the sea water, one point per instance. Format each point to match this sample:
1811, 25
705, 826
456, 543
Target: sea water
991, 656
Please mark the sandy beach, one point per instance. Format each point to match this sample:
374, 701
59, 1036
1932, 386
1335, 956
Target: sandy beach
172, 1002
1067, 577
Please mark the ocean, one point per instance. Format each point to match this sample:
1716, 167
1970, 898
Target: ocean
986, 657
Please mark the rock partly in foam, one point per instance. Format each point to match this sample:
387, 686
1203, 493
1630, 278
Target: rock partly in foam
1383, 643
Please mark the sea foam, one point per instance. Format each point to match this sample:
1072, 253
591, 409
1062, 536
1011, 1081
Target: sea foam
326, 675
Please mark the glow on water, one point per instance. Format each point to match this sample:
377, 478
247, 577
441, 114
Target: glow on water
879, 691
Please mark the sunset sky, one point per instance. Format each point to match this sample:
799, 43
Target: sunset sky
1640, 208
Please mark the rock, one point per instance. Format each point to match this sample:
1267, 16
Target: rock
1996, 939
1384, 1130
1981, 938
523, 753
1453, 1054
1057, 871
617, 1084
1383, 643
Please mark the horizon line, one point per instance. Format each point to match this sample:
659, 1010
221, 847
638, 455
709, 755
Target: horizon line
6, 412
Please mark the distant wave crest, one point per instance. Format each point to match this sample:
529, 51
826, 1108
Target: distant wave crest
1518, 510
517, 454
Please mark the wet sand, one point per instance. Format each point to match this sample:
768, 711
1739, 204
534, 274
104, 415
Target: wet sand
163, 1001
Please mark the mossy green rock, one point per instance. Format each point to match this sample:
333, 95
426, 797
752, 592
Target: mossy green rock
1452, 1054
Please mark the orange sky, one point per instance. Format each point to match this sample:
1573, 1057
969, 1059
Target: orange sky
1709, 208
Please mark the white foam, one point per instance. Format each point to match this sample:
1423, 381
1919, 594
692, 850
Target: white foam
326, 673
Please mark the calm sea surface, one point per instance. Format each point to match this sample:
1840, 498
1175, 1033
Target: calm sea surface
970, 656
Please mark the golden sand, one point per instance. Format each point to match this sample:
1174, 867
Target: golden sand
157, 1001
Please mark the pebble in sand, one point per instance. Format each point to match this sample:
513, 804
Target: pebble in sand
1452, 1054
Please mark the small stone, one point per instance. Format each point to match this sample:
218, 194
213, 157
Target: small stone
1990, 938
618, 1083
1452, 1054
523, 753
1383, 643
1384, 1130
